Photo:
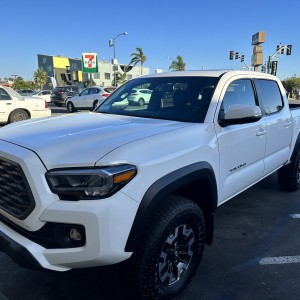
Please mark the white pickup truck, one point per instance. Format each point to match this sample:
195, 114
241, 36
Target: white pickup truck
15, 107
141, 184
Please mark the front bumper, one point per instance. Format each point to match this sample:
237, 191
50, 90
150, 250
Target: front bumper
106, 223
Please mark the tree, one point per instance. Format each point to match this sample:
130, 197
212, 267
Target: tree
292, 85
40, 77
19, 83
138, 57
178, 64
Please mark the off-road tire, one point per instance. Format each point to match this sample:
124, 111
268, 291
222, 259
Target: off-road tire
174, 241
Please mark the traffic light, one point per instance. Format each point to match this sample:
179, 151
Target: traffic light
274, 67
242, 58
277, 48
289, 50
231, 55
282, 50
236, 55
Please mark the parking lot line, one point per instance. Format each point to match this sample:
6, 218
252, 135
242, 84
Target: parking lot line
295, 216
280, 260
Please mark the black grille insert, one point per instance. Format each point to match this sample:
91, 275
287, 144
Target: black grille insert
15, 194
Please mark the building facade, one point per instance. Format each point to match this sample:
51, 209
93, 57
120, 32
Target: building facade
65, 71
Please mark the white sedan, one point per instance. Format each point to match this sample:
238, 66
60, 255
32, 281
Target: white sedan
14, 107
88, 98
44, 94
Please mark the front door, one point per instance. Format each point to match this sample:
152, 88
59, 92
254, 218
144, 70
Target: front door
241, 146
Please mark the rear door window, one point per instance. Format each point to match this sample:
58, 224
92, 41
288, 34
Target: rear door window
272, 101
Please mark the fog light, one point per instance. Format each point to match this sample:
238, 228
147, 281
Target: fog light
75, 234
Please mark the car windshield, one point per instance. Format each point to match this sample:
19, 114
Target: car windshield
184, 99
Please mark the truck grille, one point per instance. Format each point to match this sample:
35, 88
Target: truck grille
15, 194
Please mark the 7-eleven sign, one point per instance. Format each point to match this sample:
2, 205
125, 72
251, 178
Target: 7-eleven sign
89, 63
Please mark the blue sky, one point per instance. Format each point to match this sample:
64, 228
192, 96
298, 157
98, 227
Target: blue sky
202, 32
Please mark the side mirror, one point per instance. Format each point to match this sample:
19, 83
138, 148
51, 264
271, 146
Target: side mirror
239, 114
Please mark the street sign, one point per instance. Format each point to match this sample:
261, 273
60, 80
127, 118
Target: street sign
258, 38
89, 63
257, 59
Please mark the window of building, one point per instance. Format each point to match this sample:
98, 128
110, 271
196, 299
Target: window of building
96, 76
107, 76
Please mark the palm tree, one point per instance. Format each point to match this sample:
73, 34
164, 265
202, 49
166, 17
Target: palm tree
40, 77
178, 64
138, 57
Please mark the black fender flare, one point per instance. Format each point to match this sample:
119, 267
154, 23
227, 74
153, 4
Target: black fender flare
296, 148
164, 187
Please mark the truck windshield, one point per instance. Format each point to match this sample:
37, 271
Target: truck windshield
184, 99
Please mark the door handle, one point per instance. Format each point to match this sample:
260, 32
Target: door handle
261, 132
287, 124
8, 103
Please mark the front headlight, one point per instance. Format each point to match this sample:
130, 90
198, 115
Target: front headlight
89, 183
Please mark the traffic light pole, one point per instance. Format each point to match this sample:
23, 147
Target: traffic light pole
278, 51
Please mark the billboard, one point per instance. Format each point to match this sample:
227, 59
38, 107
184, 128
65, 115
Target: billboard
89, 63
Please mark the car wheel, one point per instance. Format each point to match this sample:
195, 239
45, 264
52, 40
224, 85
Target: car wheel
141, 102
18, 115
289, 175
95, 104
171, 251
70, 107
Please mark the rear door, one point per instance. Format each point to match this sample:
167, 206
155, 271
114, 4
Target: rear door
241, 146
278, 119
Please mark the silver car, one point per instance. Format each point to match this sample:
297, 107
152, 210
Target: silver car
88, 98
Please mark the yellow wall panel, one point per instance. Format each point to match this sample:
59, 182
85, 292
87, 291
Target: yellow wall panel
60, 62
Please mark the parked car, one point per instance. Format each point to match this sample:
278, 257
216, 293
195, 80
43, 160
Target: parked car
26, 92
140, 97
44, 94
14, 107
89, 98
61, 94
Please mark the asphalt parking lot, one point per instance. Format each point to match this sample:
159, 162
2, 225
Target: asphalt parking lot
255, 255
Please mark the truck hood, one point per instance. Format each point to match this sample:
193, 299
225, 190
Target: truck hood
83, 138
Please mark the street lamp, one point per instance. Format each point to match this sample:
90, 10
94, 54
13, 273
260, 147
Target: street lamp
112, 44
15, 77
